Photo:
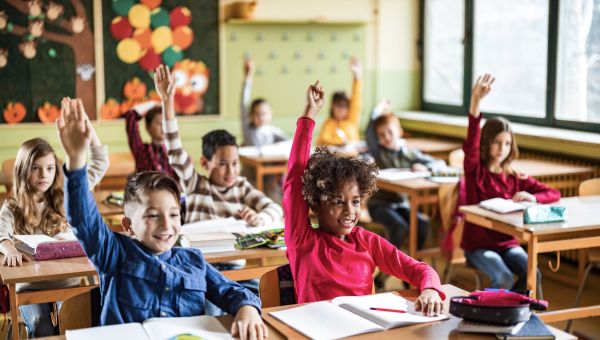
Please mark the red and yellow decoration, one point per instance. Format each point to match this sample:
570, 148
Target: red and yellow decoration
191, 83
48, 113
14, 113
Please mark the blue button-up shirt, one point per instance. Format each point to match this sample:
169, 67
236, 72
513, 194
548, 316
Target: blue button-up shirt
136, 284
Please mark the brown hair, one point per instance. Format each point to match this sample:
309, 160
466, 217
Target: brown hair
385, 119
51, 220
337, 98
489, 131
255, 103
327, 172
142, 182
149, 117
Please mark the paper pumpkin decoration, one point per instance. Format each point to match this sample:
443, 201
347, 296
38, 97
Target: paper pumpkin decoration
152, 4
162, 38
129, 50
14, 113
48, 113
143, 36
149, 61
139, 16
180, 16
134, 89
183, 36
120, 28
152, 95
110, 110
172, 55
121, 7
160, 17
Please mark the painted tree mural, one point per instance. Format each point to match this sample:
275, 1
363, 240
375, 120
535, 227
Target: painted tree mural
74, 31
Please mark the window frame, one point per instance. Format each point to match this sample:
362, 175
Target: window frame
551, 73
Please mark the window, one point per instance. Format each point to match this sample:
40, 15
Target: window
545, 55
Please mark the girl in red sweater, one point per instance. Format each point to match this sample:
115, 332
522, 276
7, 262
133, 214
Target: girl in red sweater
337, 257
489, 152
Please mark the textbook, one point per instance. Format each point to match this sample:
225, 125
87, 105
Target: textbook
44, 247
532, 330
503, 206
210, 242
468, 326
351, 315
400, 174
194, 327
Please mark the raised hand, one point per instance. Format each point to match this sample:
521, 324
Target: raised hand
315, 98
483, 86
248, 68
74, 132
356, 67
164, 83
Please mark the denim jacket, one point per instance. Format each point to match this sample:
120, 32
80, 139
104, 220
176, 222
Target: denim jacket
137, 285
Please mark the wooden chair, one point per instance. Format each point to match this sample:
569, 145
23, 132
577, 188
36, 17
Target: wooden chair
587, 188
276, 287
80, 311
121, 165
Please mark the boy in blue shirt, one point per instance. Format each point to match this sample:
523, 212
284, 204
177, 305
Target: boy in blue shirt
143, 276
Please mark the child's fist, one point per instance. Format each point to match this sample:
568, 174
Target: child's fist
355, 67
315, 98
248, 67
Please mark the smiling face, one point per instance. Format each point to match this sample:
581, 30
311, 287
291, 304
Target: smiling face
224, 165
154, 220
500, 147
42, 174
339, 214
389, 134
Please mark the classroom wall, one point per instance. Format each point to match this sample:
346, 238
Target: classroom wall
390, 69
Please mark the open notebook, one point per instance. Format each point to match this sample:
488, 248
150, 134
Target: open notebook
401, 174
351, 315
503, 206
198, 327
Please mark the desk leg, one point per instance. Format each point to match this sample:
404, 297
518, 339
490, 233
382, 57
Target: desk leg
532, 264
260, 177
413, 227
14, 310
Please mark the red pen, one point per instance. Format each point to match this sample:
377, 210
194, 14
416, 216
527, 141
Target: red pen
388, 310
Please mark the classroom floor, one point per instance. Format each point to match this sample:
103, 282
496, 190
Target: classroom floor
559, 296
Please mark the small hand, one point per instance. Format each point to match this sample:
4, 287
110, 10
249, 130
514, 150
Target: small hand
315, 98
250, 216
248, 68
356, 67
429, 302
164, 83
483, 86
14, 258
418, 167
524, 196
249, 325
74, 131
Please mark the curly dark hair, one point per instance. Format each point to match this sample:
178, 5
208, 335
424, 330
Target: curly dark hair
327, 172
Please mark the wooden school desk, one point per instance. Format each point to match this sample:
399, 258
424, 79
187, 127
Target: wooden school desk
251, 272
580, 231
265, 165
445, 329
121, 165
39, 271
563, 177
434, 147
106, 209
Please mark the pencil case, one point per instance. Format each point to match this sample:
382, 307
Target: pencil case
58, 250
544, 214
497, 306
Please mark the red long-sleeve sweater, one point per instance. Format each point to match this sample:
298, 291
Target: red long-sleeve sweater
324, 266
482, 184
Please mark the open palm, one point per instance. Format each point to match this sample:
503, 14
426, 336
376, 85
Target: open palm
483, 86
74, 128
164, 83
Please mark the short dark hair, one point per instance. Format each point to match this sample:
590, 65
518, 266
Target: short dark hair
157, 110
214, 139
140, 183
255, 103
385, 119
327, 172
337, 98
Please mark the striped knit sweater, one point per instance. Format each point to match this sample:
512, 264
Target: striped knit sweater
204, 200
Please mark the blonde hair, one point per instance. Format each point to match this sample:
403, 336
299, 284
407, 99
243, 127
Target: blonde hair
51, 220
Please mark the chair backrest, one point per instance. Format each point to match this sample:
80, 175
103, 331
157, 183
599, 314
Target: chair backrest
589, 187
80, 311
276, 287
450, 197
456, 157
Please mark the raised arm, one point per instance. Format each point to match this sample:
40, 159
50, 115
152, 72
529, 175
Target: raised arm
99, 243
98, 160
482, 87
356, 99
178, 158
370, 133
134, 138
297, 223
245, 100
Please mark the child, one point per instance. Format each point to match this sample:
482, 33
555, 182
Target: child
256, 117
488, 174
339, 258
36, 207
141, 274
148, 156
389, 150
344, 117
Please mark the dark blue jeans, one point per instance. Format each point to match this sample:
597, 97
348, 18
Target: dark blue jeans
396, 219
501, 266
38, 320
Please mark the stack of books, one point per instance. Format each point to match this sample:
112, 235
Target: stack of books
534, 328
212, 236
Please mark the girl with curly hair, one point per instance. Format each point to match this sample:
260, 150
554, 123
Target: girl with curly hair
35, 206
337, 257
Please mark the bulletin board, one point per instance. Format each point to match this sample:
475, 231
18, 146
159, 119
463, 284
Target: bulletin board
290, 55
